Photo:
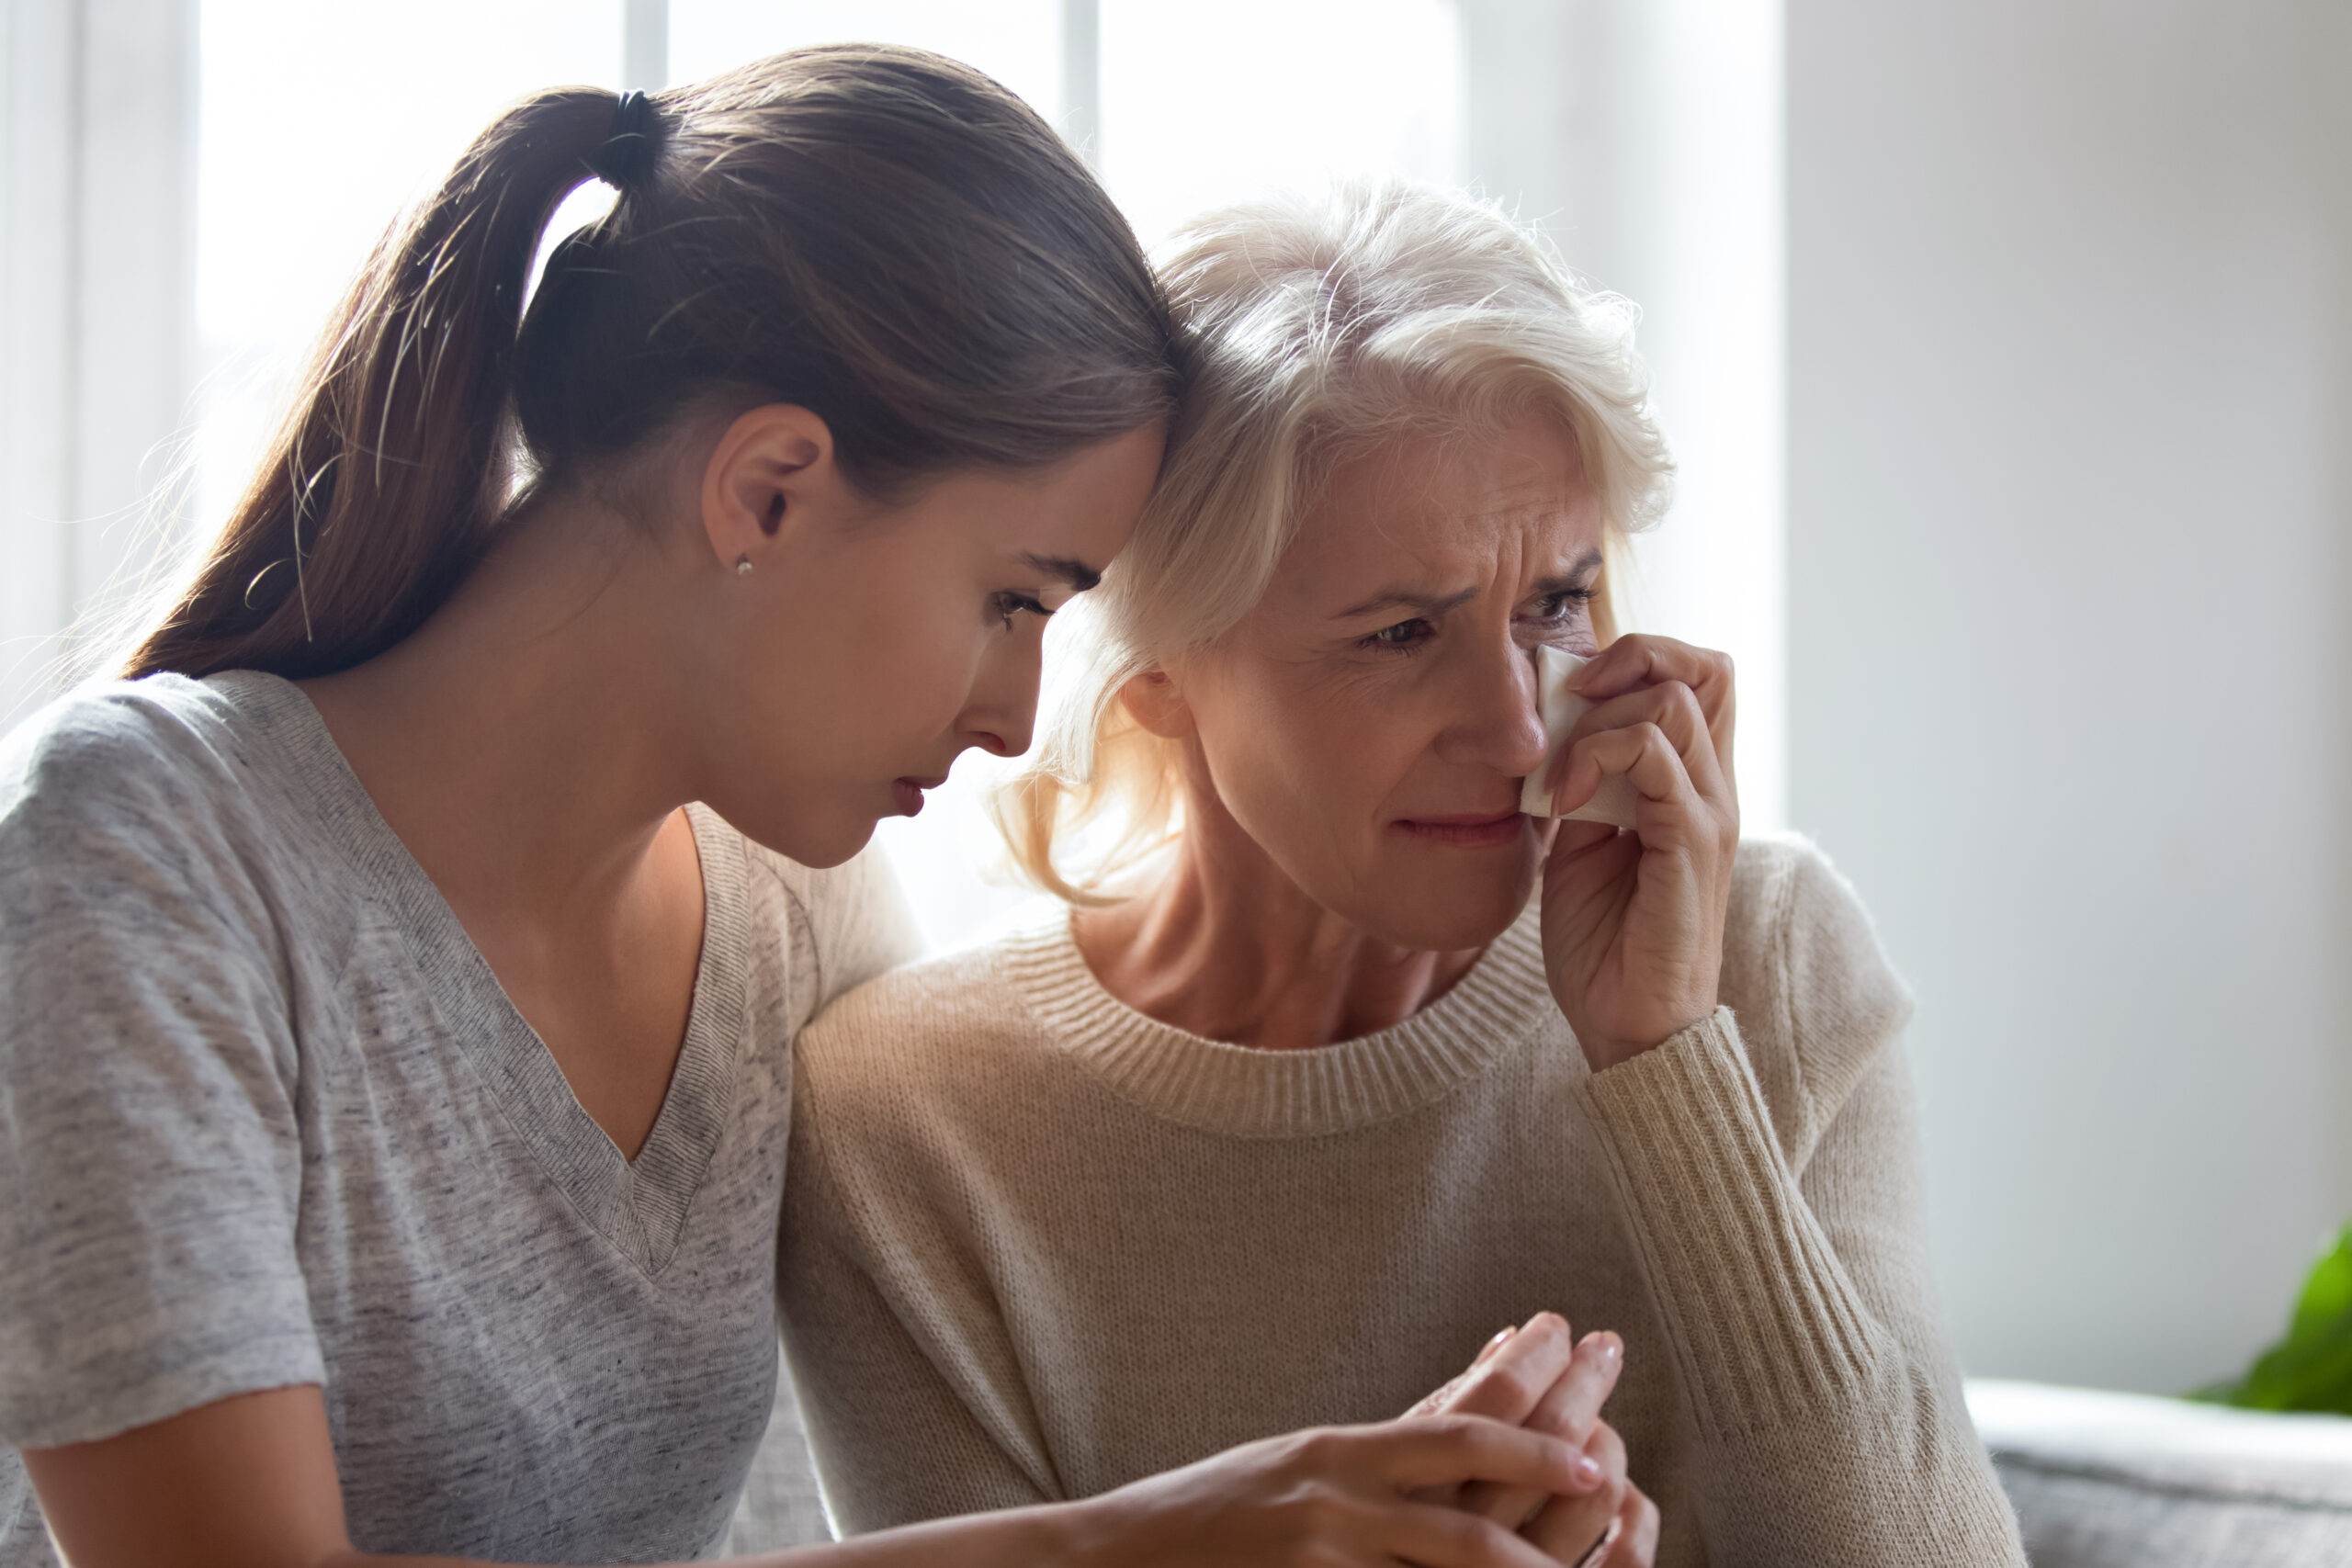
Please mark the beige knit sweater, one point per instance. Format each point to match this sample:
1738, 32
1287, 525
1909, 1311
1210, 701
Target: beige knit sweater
1037, 1245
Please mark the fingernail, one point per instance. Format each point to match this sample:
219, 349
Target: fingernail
1497, 1342
1612, 1348
1587, 1470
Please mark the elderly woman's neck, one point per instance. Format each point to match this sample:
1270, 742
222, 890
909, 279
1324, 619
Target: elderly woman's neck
1225, 945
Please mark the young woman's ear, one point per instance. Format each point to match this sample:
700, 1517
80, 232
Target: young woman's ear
770, 479
1154, 701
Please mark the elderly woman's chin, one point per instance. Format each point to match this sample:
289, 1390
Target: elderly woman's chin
1426, 893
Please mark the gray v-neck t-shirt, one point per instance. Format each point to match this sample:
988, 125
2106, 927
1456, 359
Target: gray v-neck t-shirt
266, 1118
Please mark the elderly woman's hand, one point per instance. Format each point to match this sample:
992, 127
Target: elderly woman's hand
1538, 1377
1634, 921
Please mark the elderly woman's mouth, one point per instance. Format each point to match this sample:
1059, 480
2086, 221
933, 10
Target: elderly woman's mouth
1484, 830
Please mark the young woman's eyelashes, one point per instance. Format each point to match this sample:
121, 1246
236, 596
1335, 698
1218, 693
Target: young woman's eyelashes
1557, 610
1009, 604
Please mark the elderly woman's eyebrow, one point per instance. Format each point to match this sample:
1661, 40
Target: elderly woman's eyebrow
1078, 574
1574, 579
1419, 600
1425, 602
1587, 562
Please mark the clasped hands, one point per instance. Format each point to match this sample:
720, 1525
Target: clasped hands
1540, 1377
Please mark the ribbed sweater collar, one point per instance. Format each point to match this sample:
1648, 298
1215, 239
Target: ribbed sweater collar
1244, 1092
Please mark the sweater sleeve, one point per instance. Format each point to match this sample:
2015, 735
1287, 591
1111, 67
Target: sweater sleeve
1826, 1417
894, 1440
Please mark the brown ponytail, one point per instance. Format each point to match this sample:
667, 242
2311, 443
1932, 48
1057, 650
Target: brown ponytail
880, 235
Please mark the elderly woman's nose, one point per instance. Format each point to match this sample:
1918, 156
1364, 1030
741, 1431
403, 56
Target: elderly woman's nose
1496, 721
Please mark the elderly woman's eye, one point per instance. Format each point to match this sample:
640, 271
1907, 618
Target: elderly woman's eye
1404, 637
1564, 605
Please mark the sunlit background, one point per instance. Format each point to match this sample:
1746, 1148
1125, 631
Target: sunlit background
2006, 346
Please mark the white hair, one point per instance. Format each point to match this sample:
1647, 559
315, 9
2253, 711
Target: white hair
1318, 328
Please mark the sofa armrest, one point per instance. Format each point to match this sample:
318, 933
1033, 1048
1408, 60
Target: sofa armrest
2104, 1480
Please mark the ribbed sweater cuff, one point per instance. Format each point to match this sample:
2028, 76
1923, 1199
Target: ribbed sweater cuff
1765, 1321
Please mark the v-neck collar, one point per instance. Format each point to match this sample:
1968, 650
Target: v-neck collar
638, 1206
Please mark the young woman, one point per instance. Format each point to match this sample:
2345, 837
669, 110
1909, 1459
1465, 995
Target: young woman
1363, 1056
398, 973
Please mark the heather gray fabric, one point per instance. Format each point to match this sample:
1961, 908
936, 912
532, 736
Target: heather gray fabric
266, 1118
2105, 1479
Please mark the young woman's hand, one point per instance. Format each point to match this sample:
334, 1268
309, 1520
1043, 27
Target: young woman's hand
1634, 922
1537, 1377
1333, 1497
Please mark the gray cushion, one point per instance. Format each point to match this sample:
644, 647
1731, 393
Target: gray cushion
2105, 1480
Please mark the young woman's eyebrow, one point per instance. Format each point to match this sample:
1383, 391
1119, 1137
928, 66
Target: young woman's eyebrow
1078, 574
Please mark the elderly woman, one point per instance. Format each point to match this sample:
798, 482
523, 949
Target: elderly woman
1337, 1047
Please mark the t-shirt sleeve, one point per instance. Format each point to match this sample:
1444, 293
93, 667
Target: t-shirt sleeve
862, 924
150, 1159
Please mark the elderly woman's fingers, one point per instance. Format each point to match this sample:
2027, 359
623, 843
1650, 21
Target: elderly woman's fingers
1510, 1378
1644, 755
1571, 1407
1512, 1381
1639, 660
1634, 1542
1587, 1528
1569, 1410
1675, 709
1442, 1397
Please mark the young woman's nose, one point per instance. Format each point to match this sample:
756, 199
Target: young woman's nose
1496, 724
1002, 714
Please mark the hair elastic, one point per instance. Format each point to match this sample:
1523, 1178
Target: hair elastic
627, 155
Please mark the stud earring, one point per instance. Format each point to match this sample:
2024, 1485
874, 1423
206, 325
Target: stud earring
743, 565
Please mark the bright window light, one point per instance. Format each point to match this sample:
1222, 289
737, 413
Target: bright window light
318, 123
1219, 100
1016, 41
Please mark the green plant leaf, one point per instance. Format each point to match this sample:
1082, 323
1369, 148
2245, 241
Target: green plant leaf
2311, 1369
2328, 1294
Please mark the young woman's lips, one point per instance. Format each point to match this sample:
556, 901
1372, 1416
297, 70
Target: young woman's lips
1478, 833
907, 793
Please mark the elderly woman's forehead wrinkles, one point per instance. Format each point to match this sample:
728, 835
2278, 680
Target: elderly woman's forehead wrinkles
1433, 580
